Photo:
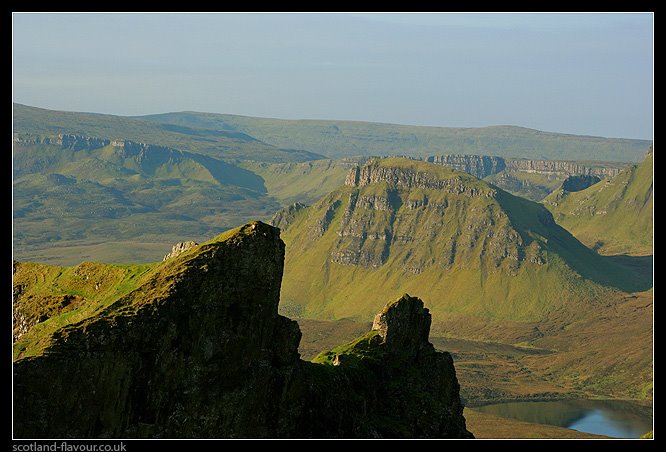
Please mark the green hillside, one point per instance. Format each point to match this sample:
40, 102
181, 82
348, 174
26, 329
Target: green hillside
149, 194
466, 247
613, 216
336, 139
214, 143
301, 182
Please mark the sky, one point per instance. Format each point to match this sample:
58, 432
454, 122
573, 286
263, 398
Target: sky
590, 74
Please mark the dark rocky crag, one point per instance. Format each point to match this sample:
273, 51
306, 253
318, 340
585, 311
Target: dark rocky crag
198, 350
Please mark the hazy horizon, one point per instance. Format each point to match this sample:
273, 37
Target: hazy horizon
330, 119
583, 74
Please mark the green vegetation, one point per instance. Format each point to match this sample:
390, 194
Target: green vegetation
51, 297
301, 182
509, 360
73, 203
360, 351
336, 139
612, 216
516, 291
498, 257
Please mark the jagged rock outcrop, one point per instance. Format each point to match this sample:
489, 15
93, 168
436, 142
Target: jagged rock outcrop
180, 248
198, 350
477, 165
396, 371
284, 217
404, 326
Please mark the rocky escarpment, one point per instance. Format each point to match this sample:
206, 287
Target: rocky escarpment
124, 148
198, 350
477, 165
529, 178
406, 178
566, 168
614, 216
482, 166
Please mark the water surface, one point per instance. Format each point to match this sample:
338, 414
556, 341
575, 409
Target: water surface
617, 419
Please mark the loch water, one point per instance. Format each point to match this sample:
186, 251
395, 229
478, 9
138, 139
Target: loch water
617, 419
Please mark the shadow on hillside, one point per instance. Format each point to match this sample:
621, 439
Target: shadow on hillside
640, 266
627, 273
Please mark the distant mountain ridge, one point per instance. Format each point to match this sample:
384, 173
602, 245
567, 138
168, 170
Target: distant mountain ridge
42, 123
336, 139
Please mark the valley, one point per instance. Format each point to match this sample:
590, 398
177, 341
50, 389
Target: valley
514, 286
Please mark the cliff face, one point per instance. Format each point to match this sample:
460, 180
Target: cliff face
198, 349
477, 165
371, 229
403, 178
529, 178
483, 166
123, 148
566, 168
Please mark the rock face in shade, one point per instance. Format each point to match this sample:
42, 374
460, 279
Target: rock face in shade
198, 350
396, 378
578, 183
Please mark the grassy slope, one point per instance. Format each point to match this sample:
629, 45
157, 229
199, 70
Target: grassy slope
301, 182
617, 358
472, 284
98, 285
349, 138
614, 216
215, 143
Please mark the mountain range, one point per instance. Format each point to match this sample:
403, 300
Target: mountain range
102, 187
534, 300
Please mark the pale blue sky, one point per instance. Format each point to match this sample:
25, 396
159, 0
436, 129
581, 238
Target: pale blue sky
575, 73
